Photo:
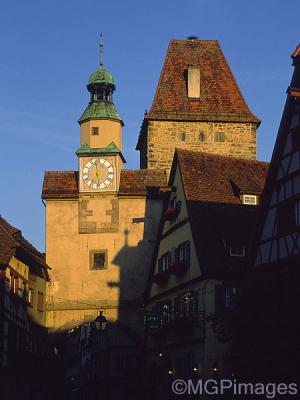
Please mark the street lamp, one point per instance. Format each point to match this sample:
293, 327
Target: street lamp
100, 322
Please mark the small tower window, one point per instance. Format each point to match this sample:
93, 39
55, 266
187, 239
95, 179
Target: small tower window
98, 259
95, 130
201, 137
182, 136
220, 137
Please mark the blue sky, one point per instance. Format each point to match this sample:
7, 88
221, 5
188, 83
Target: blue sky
49, 48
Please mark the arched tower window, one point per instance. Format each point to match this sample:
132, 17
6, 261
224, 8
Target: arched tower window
182, 136
219, 137
202, 137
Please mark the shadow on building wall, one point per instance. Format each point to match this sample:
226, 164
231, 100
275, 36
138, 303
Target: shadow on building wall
107, 364
30, 367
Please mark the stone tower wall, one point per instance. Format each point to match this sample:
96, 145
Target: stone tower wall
162, 137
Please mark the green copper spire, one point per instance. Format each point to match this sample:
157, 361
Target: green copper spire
101, 50
101, 86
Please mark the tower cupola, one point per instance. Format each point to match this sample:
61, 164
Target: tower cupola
101, 86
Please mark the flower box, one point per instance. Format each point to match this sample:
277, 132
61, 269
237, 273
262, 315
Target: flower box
179, 268
161, 277
171, 213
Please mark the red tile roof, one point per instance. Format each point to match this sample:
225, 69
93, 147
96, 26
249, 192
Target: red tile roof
221, 98
12, 243
296, 52
60, 184
136, 182
7, 243
64, 184
214, 178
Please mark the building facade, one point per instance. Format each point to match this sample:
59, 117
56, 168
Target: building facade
197, 106
193, 289
101, 221
25, 351
274, 265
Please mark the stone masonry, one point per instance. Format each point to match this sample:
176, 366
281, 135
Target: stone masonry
230, 139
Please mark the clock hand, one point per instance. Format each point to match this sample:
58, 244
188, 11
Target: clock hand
97, 172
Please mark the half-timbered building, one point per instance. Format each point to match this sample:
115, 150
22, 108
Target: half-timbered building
198, 265
270, 328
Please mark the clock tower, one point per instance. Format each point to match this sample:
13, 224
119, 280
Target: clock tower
100, 154
101, 222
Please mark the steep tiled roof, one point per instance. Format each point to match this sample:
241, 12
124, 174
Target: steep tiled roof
220, 96
64, 184
7, 243
214, 178
135, 182
212, 185
60, 184
12, 242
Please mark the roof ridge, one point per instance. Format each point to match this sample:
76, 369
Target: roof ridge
215, 155
60, 171
195, 40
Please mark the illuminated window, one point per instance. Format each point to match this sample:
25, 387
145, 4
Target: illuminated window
30, 297
249, 199
14, 284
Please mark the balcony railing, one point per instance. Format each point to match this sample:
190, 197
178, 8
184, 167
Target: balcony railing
180, 324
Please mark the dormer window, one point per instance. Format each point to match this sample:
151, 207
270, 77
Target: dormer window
237, 250
249, 199
193, 82
95, 130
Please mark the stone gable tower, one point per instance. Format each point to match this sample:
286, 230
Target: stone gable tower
197, 106
101, 222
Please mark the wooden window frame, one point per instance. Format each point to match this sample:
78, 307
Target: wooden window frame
98, 251
236, 254
95, 131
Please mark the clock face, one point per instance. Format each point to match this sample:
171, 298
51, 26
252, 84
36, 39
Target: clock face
98, 173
